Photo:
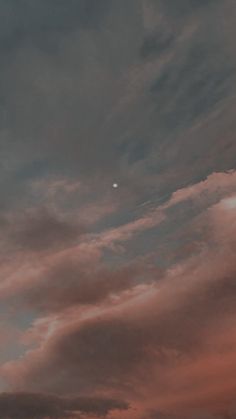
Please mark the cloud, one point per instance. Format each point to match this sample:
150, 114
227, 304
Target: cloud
165, 346
186, 6
46, 22
75, 102
67, 284
194, 84
156, 43
127, 294
41, 230
64, 276
46, 406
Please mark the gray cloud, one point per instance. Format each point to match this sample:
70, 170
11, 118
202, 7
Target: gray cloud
198, 415
69, 284
142, 93
58, 104
45, 23
112, 352
44, 406
42, 230
195, 84
156, 43
184, 7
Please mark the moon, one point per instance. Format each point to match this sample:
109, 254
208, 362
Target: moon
115, 185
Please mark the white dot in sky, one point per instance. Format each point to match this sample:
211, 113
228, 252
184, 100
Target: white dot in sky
115, 185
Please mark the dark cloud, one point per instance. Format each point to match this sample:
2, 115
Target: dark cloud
156, 43
195, 83
44, 23
141, 93
69, 91
184, 7
62, 106
159, 415
117, 349
41, 230
198, 415
112, 352
43, 406
69, 284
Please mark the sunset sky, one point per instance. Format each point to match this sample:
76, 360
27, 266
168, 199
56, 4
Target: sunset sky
118, 209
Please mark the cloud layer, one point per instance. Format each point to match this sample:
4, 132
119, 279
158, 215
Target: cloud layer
117, 302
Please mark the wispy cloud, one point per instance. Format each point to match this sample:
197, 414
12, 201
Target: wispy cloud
117, 302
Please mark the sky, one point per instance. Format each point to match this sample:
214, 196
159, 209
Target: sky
117, 209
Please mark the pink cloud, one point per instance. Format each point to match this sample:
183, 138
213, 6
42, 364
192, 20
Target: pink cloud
166, 344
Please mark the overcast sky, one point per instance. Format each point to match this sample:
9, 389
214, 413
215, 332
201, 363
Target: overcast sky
117, 209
